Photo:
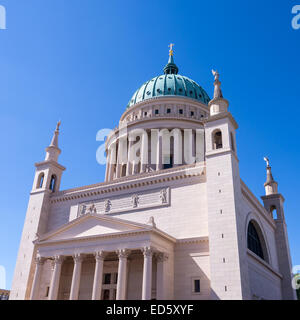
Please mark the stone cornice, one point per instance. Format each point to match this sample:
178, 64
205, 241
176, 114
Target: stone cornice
218, 152
273, 196
255, 202
192, 240
122, 234
130, 182
51, 162
221, 116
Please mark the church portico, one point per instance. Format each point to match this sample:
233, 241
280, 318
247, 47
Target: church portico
100, 267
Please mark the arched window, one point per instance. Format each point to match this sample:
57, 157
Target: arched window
217, 140
40, 180
274, 212
254, 242
53, 183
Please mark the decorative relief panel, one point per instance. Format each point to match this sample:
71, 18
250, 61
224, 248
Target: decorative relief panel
129, 202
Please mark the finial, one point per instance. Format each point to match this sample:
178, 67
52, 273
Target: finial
151, 222
217, 84
58, 125
215, 74
171, 52
267, 161
270, 185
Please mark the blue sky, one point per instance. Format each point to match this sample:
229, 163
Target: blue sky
80, 61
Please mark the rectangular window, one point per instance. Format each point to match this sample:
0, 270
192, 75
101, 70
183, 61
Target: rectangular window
180, 111
196, 285
168, 110
47, 292
192, 113
156, 111
107, 278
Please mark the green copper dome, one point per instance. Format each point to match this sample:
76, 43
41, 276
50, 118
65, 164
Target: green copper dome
169, 84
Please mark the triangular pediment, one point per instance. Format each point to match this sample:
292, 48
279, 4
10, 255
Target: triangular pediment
93, 225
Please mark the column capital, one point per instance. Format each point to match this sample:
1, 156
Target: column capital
77, 257
58, 259
40, 260
147, 251
100, 255
123, 253
161, 256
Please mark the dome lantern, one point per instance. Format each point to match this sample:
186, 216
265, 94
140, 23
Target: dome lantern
171, 67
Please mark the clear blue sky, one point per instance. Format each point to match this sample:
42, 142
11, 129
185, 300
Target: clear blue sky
80, 61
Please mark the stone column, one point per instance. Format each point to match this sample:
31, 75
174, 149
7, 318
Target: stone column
122, 274
39, 261
144, 152
97, 285
161, 259
119, 164
74, 293
54, 285
147, 273
107, 166
129, 159
112, 162
159, 153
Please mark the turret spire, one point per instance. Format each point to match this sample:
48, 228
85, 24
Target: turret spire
171, 67
52, 152
218, 104
270, 185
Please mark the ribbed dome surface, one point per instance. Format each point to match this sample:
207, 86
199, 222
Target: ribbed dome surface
169, 85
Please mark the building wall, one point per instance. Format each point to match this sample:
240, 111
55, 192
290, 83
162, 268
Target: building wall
264, 279
188, 203
191, 261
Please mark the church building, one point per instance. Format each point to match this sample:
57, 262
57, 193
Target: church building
172, 220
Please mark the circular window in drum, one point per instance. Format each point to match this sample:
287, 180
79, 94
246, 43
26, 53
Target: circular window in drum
158, 90
191, 93
180, 90
148, 92
169, 89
